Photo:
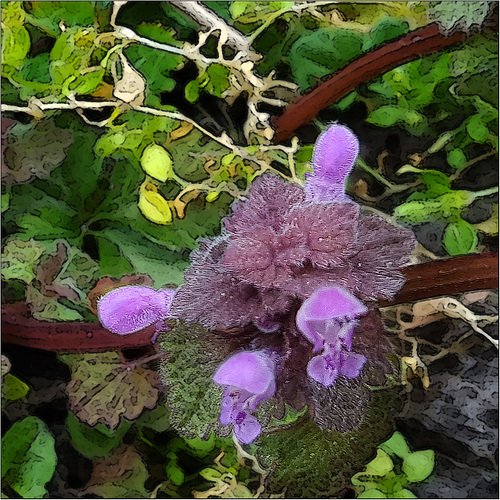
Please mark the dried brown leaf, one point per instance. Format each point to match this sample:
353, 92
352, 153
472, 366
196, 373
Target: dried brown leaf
122, 475
105, 390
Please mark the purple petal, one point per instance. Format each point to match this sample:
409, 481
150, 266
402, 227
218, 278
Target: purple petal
380, 250
335, 153
351, 364
227, 410
131, 308
268, 201
324, 190
331, 303
246, 428
323, 370
249, 371
327, 230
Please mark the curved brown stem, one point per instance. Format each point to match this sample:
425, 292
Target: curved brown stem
415, 44
443, 277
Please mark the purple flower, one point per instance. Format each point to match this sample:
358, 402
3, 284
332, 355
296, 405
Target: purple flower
129, 309
248, 379
334, 155
328, 319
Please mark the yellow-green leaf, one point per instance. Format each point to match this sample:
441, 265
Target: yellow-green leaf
154, 207
157, 162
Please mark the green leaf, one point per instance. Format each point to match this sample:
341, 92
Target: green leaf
387, 29
20, 259
322, 52
192, 90
441, 208
156, 161
456, 158
87, 83
462, 15
477, 130
13, 388
210, 474
218, 75
372, 494
15, 38
92, 442
396, 445
28, 457
174, 473
122, 475
460, 238
161, 264
418, 465
380, 465
48, 15
436, 183
318, 464
403, 493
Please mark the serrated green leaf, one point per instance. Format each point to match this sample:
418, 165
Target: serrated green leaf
418, 465
28, 457
322, 52
380, 465
460, 238
315, 464
396, 445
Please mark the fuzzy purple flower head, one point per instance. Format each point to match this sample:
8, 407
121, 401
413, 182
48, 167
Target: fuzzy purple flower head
289, 286
129, 309
248, 379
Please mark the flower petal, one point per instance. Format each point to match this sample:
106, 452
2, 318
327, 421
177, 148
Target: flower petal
249, 371
323, 370
352, 364
335, 152
247, 429
332, 303
129, 309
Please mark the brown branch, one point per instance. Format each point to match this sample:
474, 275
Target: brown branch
431, 279
412, 46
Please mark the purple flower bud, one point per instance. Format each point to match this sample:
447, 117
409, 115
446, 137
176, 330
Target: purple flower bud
333, 158
129, 309
248, 379
327, 319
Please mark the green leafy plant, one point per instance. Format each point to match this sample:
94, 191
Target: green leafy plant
394, 467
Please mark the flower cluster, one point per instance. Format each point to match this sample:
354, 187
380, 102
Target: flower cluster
289, 282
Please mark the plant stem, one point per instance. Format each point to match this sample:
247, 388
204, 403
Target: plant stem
412, 46
424, 281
